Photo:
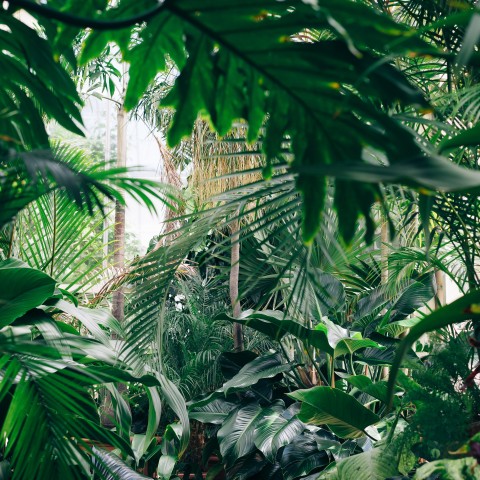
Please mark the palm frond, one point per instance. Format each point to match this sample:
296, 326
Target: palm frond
31, 175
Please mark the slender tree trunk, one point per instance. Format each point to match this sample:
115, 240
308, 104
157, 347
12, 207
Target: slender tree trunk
118, 301
384, 250
441, 295
234, 277
107, 156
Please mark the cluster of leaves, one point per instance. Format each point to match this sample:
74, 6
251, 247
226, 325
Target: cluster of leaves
446, 411
255, 428
47, 373
308, 87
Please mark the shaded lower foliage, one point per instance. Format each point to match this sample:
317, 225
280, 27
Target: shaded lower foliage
253, 426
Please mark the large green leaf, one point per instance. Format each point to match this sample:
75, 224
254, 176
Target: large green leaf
273, 324
22, 289
214, 412
376, 390
267, 366
111, 467
466, 138
376, 464
344, 415
237, 435
308, 90
275, 431
348, 346
252, 375
302, 456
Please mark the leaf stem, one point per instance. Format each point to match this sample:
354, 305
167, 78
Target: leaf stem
85, 22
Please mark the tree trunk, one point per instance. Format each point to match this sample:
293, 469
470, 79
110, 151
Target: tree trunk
384, 251
107, 415
234, 277
441, 294
118, 301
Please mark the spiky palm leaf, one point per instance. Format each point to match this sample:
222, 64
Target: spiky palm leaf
28, 176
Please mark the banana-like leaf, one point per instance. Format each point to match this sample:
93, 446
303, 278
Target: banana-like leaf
301, 456
273, 324
110, 467
376, 390
236, 437
23, 289
348, 346
344, 415
93, 319
466, 138
177, 436
461, 310
266, 366
232, 362
214, 412
375, 464
275, 431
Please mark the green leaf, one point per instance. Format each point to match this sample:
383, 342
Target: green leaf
466, 138
237, 434
461, 310
275, 431
302, 456
22, 289
273, 324
344, 415
449, 469
247, 466
376, 464
349, 346
214, 412
376, 390
111, 467
193, 91
267, 366
162, 35
470, 41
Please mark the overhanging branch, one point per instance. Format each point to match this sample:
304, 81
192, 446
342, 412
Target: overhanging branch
84, 22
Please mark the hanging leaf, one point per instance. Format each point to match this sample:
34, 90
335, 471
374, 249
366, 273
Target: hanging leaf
267, 366
22, 289
275, 326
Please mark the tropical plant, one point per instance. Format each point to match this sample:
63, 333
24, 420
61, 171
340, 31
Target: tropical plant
256, 432
47, 374
328, 89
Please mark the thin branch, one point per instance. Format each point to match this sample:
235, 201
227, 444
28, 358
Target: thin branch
85, 22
